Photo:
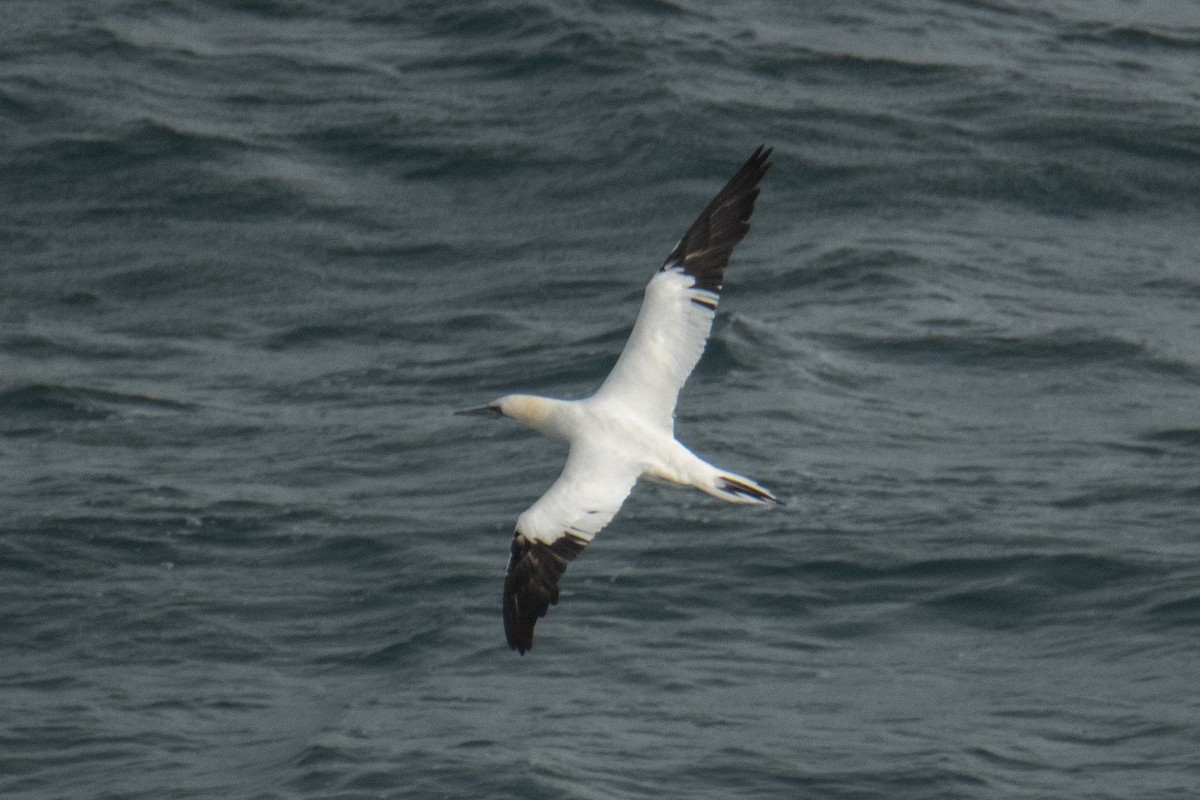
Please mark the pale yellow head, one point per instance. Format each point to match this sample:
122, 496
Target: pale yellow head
524, 408
552, 417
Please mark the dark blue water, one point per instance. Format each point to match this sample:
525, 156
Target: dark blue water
254, 253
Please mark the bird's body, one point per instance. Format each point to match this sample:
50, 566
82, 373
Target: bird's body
625, 431
608, 426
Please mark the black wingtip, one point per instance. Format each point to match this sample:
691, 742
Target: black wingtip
531, 584
704, 250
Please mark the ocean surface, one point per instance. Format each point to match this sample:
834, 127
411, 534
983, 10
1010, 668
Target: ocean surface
254, 252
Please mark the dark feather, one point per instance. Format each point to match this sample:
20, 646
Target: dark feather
531, 584
704, 250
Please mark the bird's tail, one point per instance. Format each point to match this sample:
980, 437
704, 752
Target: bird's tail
737, 489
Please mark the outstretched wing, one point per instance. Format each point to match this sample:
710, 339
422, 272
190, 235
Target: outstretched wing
681, 300
554, 530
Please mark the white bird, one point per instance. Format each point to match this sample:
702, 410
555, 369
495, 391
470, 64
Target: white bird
625, 431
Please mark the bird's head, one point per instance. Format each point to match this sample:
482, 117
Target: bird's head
523, 408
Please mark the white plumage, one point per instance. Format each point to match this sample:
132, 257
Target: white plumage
626, 429
667, 341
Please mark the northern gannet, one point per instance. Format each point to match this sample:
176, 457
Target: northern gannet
625, 431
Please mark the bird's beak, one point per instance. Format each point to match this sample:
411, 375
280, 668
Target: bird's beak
482, 411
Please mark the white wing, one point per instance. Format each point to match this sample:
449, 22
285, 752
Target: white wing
554, 530
681, 300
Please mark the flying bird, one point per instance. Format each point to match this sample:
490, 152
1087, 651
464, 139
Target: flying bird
625, 431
